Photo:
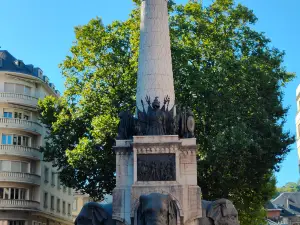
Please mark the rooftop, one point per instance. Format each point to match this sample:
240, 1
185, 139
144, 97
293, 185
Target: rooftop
10, 64
287, 202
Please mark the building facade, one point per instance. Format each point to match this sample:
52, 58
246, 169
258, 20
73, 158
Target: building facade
30, 190
298, 123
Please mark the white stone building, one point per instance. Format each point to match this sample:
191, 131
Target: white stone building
298, 123
30, 191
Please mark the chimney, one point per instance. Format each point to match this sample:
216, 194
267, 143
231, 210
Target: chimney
286, 203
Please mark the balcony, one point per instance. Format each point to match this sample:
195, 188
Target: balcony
18, 177
26, 125
18, 99
15, 150
19, 204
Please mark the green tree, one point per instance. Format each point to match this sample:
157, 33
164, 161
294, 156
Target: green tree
223, 69
289, 187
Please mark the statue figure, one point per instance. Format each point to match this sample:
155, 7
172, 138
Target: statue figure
169, 117
155, 117
156, 121
186, 123
219, 212
156, 209
126, 126
93, 213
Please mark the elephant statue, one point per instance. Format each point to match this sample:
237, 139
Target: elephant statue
156, 209
219, 212
93, 213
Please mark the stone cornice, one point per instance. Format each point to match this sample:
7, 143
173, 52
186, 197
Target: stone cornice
122, 150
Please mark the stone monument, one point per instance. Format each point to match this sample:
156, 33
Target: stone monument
156, 165
155, 159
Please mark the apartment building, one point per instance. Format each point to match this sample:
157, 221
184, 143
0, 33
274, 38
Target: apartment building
298, 123
30, 190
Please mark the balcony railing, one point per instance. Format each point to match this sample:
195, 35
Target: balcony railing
26, 125
22, 151
20, 177
18, 98
19, 204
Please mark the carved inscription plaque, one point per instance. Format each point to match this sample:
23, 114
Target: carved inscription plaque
156, 167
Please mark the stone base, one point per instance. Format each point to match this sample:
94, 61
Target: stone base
121, 205
187, 198
182, 187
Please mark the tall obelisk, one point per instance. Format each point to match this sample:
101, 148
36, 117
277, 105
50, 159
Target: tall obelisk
155, 162
155, 75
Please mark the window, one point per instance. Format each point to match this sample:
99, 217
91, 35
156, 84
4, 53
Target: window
19, 63
75, 204
40, 73
52, 202
46, 172
13, 193
18, 115
25, 141
64, 188
69, 209
64, 207
7, 114
17, 88
25, 117
24, 167
4, 165
23, 193
16, 222
34, 222
45, 200
8, 87
17, 140
17, 166
69, 191
58, 182
6, 193
27, 90
52, 178
14, 166
6, 139
58, 205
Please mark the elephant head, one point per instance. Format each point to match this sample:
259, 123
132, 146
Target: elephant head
94, 213
156, 209
219, 212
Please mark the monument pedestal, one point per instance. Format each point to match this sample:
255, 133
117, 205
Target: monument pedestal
157, 164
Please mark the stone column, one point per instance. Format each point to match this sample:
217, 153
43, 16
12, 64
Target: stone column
155, 75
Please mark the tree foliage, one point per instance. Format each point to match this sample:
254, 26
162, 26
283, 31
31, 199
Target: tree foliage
289, 187
223, 69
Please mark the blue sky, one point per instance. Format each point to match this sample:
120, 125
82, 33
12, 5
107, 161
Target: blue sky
41, 33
